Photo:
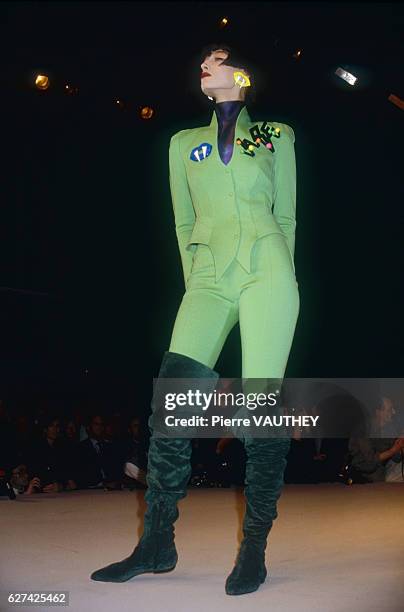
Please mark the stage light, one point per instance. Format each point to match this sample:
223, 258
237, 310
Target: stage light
396, 100
297, 54
346, 76
42, 81
146, 112
223, 22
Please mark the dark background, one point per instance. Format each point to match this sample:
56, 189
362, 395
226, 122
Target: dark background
90, 269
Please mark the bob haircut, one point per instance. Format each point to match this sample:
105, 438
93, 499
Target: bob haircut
237, 59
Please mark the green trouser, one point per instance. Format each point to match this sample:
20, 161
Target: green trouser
266, 302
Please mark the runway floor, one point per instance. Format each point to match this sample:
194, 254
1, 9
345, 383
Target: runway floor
332, 548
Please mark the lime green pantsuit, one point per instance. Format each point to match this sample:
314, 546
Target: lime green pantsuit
235, 227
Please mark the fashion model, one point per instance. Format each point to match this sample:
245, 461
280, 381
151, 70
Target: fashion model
233, 187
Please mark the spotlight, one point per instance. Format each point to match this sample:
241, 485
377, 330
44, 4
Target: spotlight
396, 100
42, 81
346, 76
146, 112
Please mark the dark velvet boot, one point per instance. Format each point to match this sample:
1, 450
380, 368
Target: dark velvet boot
168, 473
266, 463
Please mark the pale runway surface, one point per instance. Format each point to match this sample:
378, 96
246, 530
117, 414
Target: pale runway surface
332, 548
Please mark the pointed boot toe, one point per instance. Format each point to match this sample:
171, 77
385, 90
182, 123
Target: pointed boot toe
248, 573
155, 552
141, 561
239, 583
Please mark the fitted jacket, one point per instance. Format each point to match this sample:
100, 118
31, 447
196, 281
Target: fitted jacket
228, 207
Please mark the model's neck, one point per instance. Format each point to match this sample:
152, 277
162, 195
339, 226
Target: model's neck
228, 110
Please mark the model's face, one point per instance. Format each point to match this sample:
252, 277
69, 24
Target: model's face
220, 83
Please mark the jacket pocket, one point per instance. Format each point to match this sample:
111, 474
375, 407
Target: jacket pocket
201, 233
203, 261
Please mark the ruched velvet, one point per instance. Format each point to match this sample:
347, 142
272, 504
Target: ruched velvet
168, 473
266, 463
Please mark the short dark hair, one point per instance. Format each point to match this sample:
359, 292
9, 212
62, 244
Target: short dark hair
238, 59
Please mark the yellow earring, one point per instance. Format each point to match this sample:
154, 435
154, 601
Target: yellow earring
241, 79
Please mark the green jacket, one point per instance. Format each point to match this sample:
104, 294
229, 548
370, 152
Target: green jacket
229, 207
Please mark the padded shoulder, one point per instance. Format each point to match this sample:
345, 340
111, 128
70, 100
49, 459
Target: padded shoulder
286, 129
178, 135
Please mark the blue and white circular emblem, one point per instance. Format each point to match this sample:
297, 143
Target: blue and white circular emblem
201, 152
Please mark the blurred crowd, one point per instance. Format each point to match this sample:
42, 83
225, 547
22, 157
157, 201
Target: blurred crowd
47, 452
43, 451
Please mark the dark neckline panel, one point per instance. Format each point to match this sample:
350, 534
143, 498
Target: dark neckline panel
227, 112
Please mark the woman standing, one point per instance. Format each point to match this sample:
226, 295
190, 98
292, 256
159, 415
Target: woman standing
233, 187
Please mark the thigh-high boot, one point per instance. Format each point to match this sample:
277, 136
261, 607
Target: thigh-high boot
266, 463
168, 473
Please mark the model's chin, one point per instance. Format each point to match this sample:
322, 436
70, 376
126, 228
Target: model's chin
206, 92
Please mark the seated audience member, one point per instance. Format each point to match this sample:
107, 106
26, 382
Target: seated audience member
99, 459
135, 464
369, 456
72, 442
77, 415
114, 427
21, 482
48, 459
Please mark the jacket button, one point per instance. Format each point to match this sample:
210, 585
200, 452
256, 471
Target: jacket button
231, 193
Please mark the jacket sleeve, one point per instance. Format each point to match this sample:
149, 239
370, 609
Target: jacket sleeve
184, 213
284, 209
